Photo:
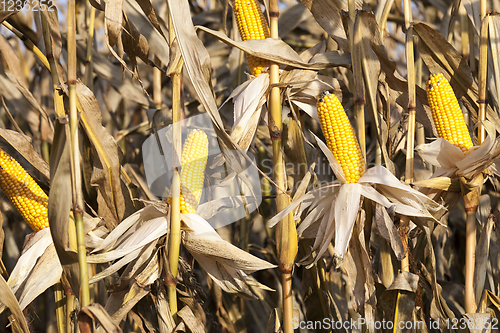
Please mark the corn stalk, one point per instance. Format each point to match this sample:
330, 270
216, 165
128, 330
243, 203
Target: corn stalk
175, 217
78, 206
412, 106
471, 189
286, 233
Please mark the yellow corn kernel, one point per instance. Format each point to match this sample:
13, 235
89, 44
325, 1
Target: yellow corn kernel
340, 137
252, 25
193, 162
446, 113
24, 193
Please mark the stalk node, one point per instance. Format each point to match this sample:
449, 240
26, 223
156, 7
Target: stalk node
285, 270
77, 209
63, 120
275, 133
360, 101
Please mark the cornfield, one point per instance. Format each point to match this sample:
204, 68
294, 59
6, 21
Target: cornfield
249, 166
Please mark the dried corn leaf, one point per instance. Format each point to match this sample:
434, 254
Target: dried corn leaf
24, 147
273, 323
483, 256
389, 231
135, 44
473, 10
102, 67
291, 17
129, 227
35, 245
150, 13
386, 269
328, 15
44, 275
366, 26
196, 58
115, 203
440, 183
278, 51
199, 231
494, 299
120, 303
248, 104
211, 208
402, 293
359, 284
305, 97
55, 34
125, 256
9, 300
405, 281
143, 16
97, 314
166, 322
17, 104
11, 66
5, 13
493, 58
135, 269
486, 325
132, 240
190, 320
439, 308
62, 228
226, 264
113, 20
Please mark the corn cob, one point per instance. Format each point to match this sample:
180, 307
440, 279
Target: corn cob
252, 25
193, 163
29, 199
340, 137
446, 112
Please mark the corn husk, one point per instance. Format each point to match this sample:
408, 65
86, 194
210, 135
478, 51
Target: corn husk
341, 202
451, 161
226, 264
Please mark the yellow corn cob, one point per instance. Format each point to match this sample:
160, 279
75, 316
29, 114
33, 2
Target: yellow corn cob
252, 25
29, 199
193, 163
446, 112
340, 137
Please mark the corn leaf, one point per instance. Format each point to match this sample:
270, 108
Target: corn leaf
328, 15
10, 301
12, 69
114, 199
95, 313
280, 52
62, 228
24, 147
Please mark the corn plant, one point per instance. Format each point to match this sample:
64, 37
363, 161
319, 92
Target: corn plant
249, 166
